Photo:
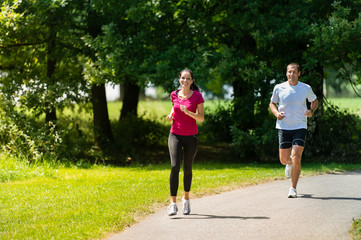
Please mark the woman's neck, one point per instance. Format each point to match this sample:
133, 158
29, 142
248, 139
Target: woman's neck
186, 91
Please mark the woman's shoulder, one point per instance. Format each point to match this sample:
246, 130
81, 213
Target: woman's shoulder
174, 93
198, 95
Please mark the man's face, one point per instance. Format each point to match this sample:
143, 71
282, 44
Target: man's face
292, 74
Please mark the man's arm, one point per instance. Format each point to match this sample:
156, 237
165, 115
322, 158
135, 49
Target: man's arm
313, 107
274, 110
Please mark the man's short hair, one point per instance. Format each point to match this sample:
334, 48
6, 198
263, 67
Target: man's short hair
295, 65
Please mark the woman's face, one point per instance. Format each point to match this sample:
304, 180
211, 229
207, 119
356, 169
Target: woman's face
185, 79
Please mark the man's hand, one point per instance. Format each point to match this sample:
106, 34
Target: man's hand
309, 113
280, 115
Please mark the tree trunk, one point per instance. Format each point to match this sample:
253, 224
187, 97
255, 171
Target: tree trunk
243, 103
50, 114
130, 99
102, 129
318, 87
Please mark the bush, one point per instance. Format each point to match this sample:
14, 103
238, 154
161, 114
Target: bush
259, 144
334, 135
22, 137
216, 126
136, 139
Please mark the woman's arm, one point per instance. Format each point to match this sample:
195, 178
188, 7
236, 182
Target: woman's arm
170, 116
199, 116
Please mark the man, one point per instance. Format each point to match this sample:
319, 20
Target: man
291, 115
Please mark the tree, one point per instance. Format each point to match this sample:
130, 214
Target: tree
337, 40
102, 130
41, 42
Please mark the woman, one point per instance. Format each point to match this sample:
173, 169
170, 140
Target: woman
187, 109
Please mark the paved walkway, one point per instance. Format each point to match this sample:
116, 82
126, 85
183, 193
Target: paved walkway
324, 209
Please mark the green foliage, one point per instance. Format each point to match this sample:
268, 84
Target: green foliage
15, 141
336, 136
216, 125
260, 144
136, 138
41, 65
336, 42
24, 138
356, 229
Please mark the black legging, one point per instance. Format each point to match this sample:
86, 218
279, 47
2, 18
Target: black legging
175, 145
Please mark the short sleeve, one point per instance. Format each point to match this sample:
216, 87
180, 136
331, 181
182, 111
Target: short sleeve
311, 96
275, 98
199, 98
173, 96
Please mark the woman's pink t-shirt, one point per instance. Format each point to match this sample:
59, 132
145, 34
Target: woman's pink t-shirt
183, 124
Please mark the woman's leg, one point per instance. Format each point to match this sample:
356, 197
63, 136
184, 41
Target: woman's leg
190, 151
175, 152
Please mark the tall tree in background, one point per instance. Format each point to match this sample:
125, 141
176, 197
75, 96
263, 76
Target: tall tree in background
102, 130
337, 40
119, 48
42, 44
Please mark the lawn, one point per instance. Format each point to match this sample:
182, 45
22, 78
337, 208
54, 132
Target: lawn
89, 203
351, 104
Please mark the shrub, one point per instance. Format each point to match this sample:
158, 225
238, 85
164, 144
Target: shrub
334, 135
259, 144
22, 137
216, 126
136, 138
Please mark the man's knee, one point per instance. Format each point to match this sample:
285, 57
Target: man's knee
285, 155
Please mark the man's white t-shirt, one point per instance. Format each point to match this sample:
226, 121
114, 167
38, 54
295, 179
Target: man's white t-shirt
292, 101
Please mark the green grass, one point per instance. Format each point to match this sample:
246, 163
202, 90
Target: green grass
356, 230
72, 203
351, 104
12, 169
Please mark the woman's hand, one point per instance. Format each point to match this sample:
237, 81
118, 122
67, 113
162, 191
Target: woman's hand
183, 108
169, 118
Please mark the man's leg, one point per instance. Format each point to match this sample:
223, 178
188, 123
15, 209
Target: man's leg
285, 155
285, 146
296, 164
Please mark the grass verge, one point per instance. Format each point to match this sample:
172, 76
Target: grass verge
73, 203
355, 231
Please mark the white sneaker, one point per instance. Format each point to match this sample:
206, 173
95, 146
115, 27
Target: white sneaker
186, 206
172, 209
288, 170
292, 193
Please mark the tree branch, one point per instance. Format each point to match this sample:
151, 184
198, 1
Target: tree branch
19, 45
347, 73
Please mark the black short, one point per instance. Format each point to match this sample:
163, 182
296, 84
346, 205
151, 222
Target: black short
287, 138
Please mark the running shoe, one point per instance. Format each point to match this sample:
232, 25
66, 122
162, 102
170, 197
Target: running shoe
292, 193
288, 170
186, 206
172, 209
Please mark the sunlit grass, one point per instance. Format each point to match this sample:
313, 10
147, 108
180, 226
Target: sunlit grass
77, 203
14, 169
351, 104
356, 230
